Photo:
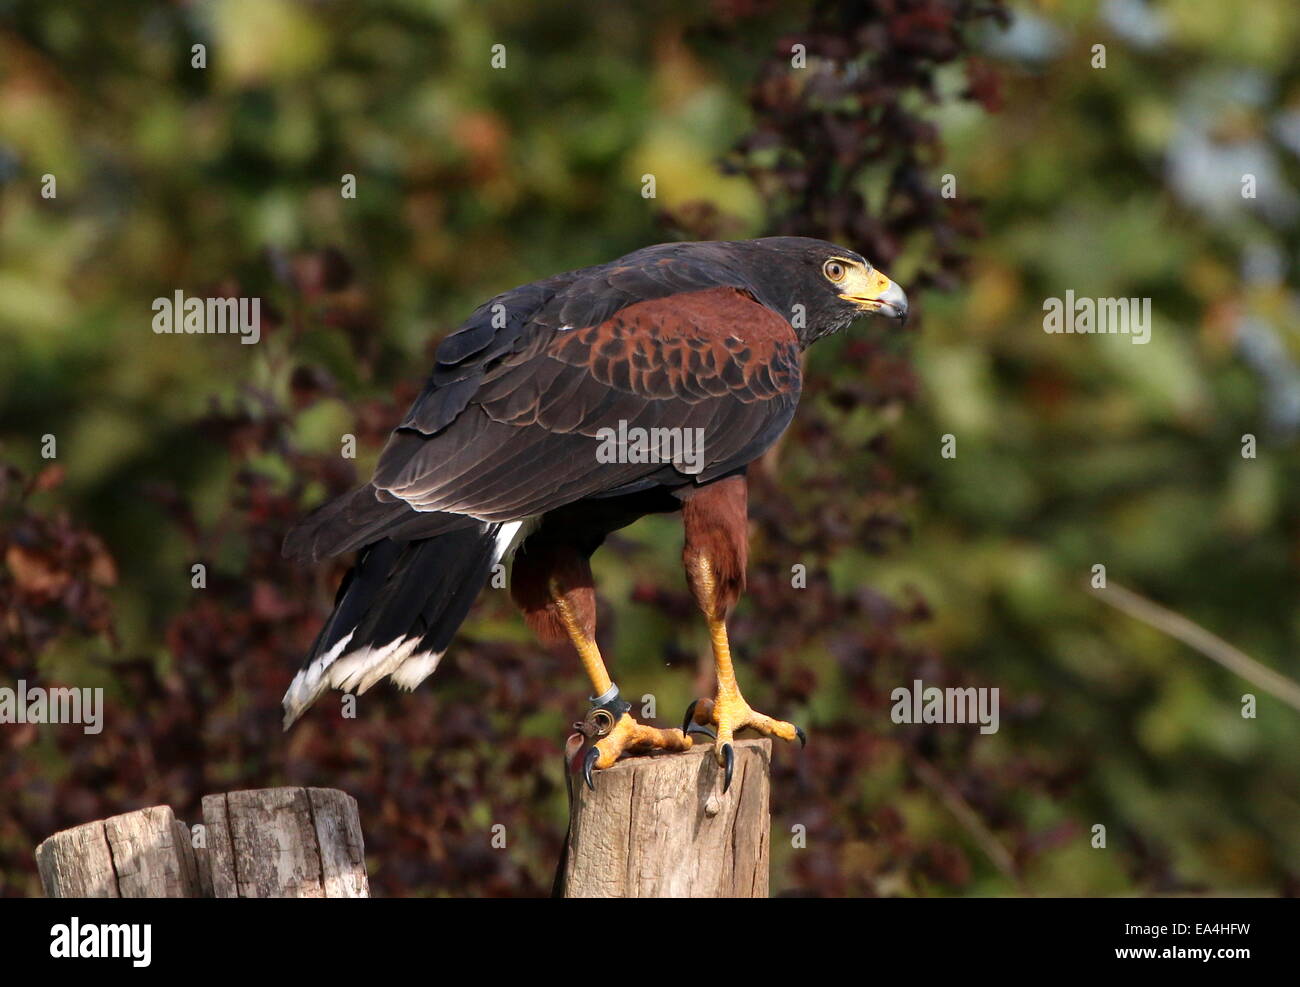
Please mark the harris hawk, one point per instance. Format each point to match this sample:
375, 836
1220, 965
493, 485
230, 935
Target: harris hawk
527, 446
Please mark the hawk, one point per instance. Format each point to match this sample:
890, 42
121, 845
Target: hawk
562, 411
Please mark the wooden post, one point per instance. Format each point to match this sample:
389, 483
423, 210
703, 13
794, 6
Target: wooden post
268, 843
144, 854
285, 843
660, 827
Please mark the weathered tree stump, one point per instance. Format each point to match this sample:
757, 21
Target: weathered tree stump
144, 854
285, 843
660, 827
268, 843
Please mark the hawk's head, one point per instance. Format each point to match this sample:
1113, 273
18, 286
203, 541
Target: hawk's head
821, 287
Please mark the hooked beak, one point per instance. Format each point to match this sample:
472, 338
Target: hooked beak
873, 292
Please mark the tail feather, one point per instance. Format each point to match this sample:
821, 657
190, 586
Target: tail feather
397, 611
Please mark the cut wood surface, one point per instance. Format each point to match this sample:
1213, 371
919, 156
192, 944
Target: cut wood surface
660, 827
267, 843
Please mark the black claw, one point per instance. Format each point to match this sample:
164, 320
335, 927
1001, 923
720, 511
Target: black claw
729, 758
803, 737
587, 763
699, 728
690, 716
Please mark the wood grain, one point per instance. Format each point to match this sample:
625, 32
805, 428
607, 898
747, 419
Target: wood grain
142, 854
660, 827
285, 843
267, 843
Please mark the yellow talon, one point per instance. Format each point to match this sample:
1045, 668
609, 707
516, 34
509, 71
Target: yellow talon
731, 713
630, 737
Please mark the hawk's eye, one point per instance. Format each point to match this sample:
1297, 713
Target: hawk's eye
834, 270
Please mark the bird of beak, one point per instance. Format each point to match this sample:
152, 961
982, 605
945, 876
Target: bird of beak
871, 291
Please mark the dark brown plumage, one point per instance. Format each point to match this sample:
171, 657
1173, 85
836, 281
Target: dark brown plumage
501, 451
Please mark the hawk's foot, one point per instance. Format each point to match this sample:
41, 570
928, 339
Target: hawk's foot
624, 735
729, 713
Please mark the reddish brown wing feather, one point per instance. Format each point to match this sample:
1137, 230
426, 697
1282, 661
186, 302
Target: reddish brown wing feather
526, 442
688, 346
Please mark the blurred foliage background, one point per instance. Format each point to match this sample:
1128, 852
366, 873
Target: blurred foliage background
1072, 451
